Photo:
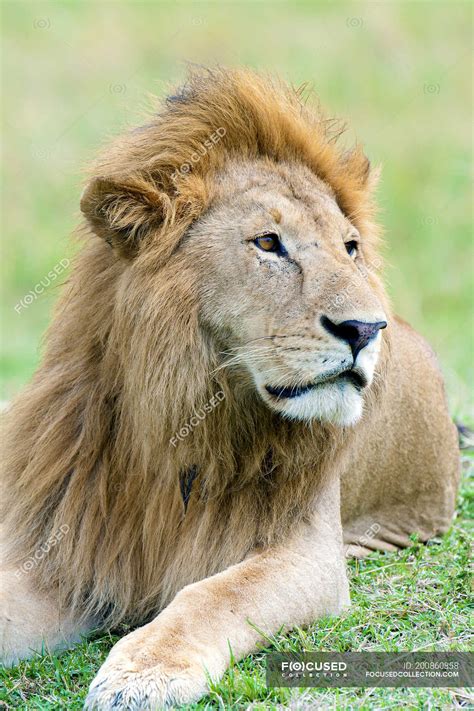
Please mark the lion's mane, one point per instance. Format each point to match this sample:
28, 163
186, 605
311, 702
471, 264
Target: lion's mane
127, 363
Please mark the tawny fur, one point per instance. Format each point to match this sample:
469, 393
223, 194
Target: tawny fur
126, 364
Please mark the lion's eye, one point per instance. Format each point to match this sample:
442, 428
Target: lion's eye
351, 248
270, 243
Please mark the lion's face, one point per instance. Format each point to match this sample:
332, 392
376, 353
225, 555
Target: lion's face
287, 293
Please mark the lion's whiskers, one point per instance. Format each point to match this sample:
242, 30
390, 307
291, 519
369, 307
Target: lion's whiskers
249, 355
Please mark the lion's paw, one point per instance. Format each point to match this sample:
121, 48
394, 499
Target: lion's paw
121, 688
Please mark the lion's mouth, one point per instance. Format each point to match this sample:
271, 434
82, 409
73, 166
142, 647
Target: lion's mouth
355, 377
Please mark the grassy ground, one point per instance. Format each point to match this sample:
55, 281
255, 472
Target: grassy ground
75, 72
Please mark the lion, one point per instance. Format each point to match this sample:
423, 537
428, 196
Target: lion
226, 407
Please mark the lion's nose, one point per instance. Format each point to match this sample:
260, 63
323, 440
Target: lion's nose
356, 333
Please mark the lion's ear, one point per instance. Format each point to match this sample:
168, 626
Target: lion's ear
358, 165
124, 212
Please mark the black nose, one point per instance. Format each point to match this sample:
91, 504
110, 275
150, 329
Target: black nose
356, 333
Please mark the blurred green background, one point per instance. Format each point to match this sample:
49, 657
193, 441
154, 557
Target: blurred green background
75, 73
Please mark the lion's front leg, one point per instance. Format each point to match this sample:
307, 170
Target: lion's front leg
33, 620
168, 661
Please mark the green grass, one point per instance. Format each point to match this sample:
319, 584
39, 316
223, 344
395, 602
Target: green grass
74, 73
417, 599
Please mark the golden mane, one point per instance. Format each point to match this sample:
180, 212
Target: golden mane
258, 117
127, 364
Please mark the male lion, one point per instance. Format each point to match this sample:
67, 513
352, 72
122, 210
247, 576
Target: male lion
224, 362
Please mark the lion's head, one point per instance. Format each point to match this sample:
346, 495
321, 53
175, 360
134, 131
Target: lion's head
284, 290
244, 188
